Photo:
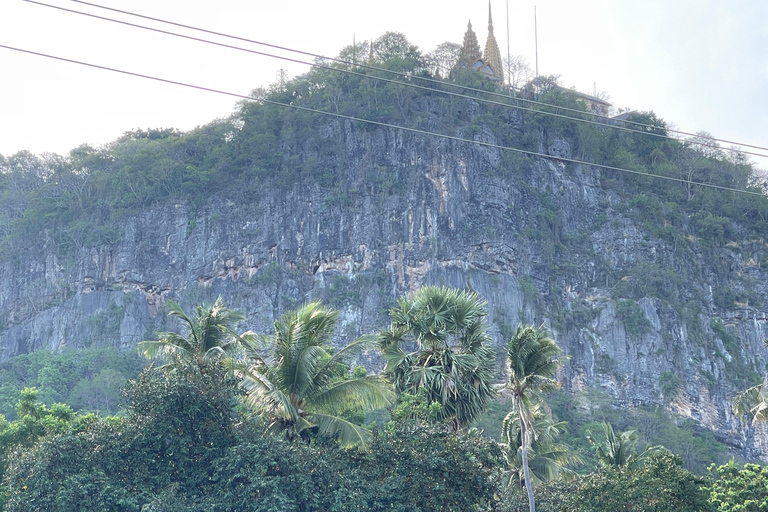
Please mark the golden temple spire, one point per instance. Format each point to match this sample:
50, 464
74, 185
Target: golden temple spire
492, 54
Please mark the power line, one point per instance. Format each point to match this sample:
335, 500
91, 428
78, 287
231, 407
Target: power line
404, 75
386, 125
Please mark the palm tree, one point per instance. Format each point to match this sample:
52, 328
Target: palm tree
450, 361
547, 459
620, 450
302, 386
534, 358
210, 336
754, 401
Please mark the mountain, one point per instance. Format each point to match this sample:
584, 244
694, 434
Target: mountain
654, 288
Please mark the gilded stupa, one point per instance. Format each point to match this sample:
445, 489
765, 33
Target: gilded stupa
492, 55
490, 63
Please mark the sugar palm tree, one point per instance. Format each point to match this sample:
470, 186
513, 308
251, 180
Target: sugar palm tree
437, 347
210, 336
301, 386
547, 459
620, 450
534, 358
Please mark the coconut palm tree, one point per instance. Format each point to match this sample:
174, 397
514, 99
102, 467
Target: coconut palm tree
547, 459
534, 358
620, 450
437, 346
210, 336
302, 386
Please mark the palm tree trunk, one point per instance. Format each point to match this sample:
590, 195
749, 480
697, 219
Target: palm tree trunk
524, 437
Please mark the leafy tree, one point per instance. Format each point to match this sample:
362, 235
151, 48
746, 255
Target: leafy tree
303, 386
555, 496
176, 426
452, 361
86, 379
210, 337
393, 48
739, 489
658, 484
534, 358
547, 459
410, 467
619, 451
442, 59
181, 421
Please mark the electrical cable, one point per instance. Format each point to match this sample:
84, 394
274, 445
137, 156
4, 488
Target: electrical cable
405, 75
408, 76
386, 125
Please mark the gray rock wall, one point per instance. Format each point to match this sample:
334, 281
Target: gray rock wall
456, 215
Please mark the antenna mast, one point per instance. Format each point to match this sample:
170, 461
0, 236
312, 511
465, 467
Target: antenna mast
509, 60
536, 35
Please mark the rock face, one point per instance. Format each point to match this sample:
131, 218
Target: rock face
539, 240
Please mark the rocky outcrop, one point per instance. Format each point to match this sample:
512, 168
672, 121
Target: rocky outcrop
540, 241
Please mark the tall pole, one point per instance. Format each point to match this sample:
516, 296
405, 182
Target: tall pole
536, 35
509, 61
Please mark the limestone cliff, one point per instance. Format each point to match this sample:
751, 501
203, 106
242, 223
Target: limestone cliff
541, 241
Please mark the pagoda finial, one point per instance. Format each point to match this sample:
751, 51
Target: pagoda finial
470, 50
492, 54
490, 19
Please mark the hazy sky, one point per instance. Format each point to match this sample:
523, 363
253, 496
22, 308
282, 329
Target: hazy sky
699, 64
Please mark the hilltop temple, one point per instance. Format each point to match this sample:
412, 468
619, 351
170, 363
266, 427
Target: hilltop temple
489, 62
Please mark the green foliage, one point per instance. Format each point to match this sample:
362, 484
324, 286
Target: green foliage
588, 410
548, 459
557, 496
659, 485
453, 359
210, 336
739, 489
176, 426
622, 450
88, 379
179, 448
632, 316
412, 468
303, 388
534, 358
416, 408
670, 385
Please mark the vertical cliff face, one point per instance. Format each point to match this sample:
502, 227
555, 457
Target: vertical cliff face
539, 240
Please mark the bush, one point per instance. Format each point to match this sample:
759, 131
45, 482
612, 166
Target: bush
738, 489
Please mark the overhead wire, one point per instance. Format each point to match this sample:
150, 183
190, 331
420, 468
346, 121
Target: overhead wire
610, 122
388, 125
406, 75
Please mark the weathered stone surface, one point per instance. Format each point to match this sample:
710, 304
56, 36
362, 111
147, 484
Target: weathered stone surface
458, 216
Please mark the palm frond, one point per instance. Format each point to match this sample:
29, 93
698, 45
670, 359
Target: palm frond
363, 394
347, 433
301, 371
264, 397
754, 402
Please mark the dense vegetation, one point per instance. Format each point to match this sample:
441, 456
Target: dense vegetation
200, 433
79, 198
238, 421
